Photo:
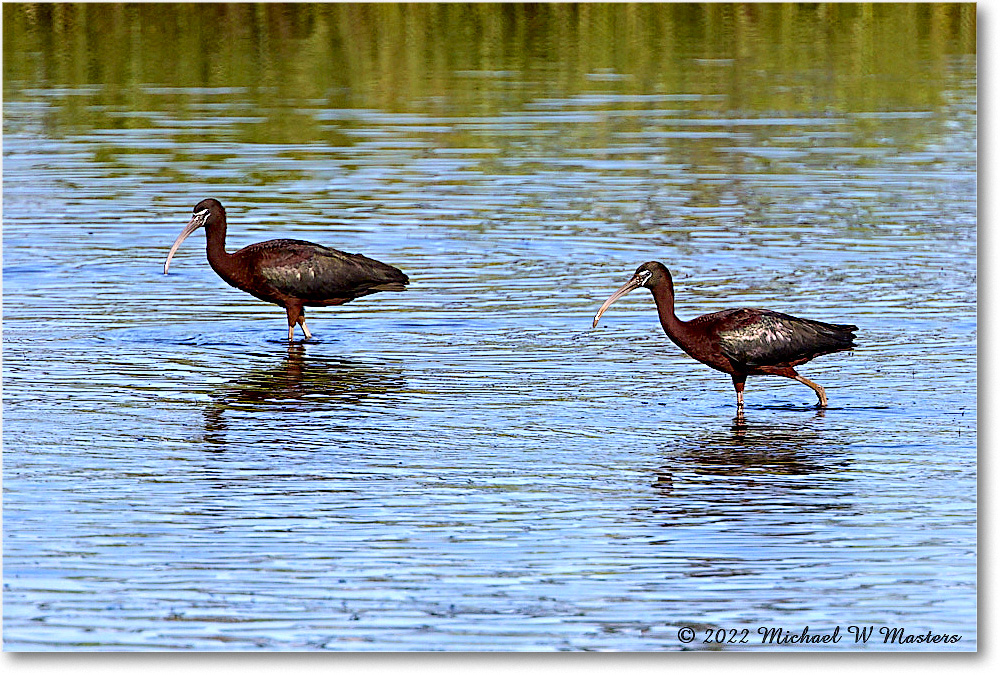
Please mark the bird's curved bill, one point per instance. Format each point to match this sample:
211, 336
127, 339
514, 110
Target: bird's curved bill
196, 221
629, 286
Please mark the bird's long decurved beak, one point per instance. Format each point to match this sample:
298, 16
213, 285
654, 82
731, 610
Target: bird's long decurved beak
195, 222
629, 286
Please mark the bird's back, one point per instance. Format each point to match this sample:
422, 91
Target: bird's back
761, 337
318, 274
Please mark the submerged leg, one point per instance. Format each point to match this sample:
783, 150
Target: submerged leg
738, 382
815, 387
294, 313
302, 322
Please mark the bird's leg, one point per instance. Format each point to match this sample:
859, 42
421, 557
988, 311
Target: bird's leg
294, 313
305, 329
815, 387
738, 382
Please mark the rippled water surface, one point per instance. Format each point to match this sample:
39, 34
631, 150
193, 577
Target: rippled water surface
468, 465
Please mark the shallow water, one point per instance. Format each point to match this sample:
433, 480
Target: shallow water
468, 465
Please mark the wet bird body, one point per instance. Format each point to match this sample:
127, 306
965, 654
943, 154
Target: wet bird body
286, 271
741, 342
751, 341
289, 272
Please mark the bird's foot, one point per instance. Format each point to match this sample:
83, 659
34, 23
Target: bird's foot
820, 392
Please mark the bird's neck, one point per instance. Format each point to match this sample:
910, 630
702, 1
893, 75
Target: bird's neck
675, 329
215, 246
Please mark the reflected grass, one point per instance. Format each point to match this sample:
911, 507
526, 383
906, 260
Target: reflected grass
480, 59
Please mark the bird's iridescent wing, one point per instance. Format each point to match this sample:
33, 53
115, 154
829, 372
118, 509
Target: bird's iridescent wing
760, 337
318, 273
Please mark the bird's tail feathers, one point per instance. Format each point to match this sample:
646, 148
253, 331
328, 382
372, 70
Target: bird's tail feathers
840, 336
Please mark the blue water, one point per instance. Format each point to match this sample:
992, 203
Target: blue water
468, 465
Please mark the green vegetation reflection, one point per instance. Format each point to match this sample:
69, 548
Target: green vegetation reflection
474, 59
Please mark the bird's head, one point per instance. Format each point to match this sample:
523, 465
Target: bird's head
206, 210
648, 275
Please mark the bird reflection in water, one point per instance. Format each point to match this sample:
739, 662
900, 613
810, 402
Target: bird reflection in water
740, 425
730, 499
298, 385
755, 453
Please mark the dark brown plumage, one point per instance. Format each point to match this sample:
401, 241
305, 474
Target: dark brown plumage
740, 342
289, 272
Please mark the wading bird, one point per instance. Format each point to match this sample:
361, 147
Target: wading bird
289, 272
740, 342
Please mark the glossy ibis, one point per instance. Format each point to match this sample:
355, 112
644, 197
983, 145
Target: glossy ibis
289, 272
740, 342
